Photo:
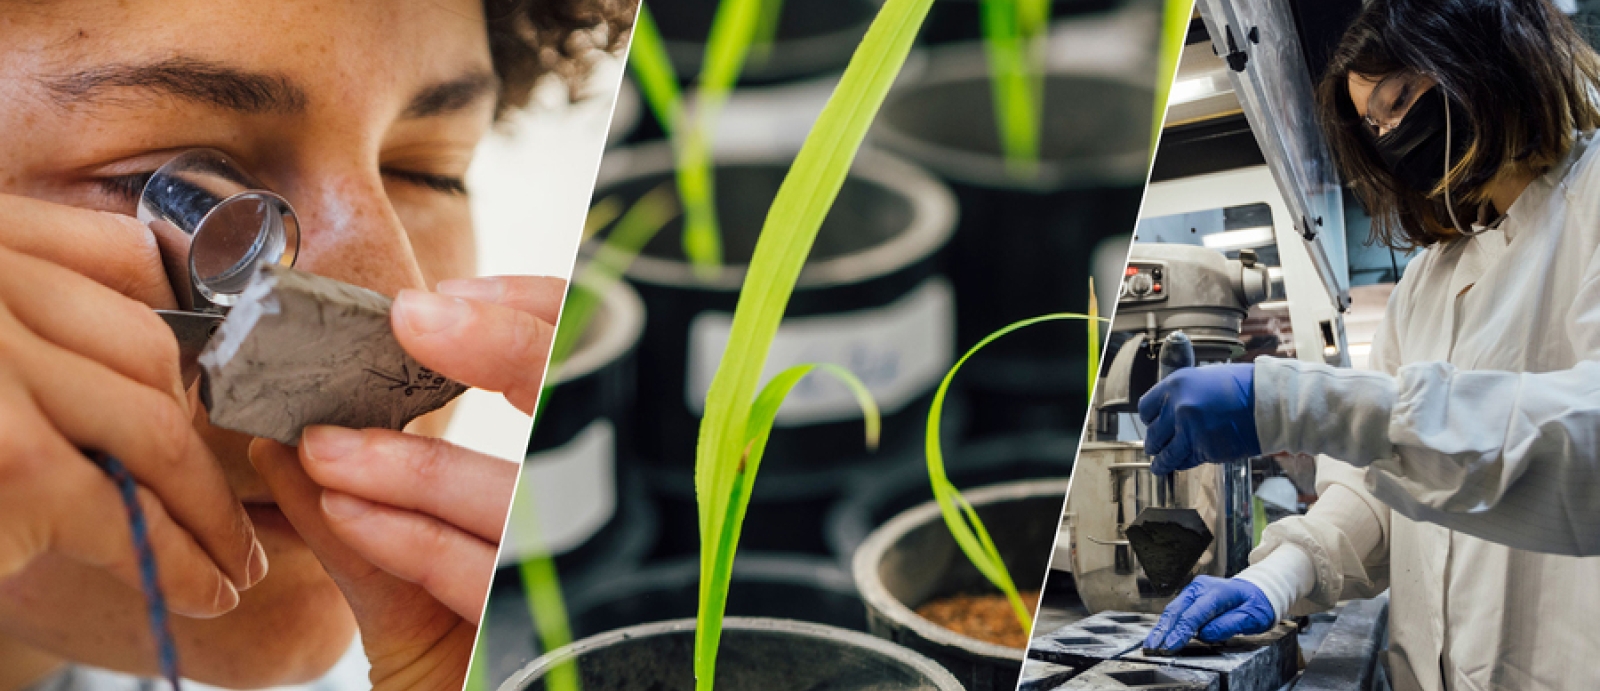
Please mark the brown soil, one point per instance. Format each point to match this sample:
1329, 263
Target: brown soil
984, 617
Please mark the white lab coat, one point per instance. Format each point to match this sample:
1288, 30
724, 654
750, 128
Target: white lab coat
1471, 470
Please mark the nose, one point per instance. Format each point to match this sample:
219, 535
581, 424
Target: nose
350, 230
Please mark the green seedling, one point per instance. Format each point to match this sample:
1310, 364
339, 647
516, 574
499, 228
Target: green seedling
648, 215
547, 606
737, 421
1014, 33
766, 31
539, 578
734, 29
959, 516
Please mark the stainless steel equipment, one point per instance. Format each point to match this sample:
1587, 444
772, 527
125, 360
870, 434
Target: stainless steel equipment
1167, 289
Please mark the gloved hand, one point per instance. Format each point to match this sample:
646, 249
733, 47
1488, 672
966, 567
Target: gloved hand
1216, 608
1201, 415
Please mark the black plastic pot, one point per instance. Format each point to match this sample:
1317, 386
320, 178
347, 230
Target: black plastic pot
951, 21
620, 548
778, 586
1025, 245
912, 560
756, 655
871, 296
874, 498
572, 464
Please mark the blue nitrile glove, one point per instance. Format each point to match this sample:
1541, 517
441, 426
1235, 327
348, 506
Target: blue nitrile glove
1201, 415
1216, 608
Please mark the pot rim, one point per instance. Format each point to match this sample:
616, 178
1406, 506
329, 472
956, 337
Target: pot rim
941, 677
960, 63
864, 566
621, 323
933, 219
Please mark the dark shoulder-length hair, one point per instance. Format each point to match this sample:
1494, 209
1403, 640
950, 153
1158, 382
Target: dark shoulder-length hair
1516, 69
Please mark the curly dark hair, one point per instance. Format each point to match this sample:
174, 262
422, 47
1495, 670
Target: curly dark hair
529, 39
1518, 69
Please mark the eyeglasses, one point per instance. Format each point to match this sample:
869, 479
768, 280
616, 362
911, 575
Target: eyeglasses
1392, 98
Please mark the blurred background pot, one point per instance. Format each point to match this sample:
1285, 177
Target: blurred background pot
1024, 245
871, 298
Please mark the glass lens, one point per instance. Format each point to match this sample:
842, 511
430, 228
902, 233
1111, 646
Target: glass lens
216, 223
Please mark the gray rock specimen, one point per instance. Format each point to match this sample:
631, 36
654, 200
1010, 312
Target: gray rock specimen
1112, 675
300, 350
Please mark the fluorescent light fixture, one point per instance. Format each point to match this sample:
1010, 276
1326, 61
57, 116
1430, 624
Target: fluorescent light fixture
1274, 305
1243, 238
1360, 349
1188, 90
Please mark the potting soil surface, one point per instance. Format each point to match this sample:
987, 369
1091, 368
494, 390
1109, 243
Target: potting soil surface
984, 617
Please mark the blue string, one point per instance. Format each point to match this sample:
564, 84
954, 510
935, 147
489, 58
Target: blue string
155, 601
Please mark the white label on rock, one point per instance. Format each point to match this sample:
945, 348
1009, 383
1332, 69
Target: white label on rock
899, 351
566, 495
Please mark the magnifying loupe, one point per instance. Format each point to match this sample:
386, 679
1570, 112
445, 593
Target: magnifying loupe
214, 224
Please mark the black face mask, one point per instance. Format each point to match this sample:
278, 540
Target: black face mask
1414, 149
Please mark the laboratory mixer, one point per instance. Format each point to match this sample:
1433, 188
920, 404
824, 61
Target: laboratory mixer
1174, 300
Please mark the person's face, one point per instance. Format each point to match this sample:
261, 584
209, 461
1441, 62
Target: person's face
1382, 101
363, 114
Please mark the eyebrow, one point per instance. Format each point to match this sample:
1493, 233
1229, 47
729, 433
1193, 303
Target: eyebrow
243, 91
454, 95
200, 81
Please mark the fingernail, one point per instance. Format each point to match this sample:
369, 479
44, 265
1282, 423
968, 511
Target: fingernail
258, 565
481, 289
227, 595
327, 443
425, 313
341, 505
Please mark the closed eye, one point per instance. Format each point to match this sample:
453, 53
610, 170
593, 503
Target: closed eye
439, 183
125, 187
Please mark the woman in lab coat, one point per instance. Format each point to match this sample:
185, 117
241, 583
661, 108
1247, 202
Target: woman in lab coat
1467, 471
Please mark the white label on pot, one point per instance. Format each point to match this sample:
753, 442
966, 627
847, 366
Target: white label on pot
566, 495
900, 351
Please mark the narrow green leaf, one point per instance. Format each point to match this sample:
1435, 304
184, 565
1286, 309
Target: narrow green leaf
791, 226
1095, 345
1015, 34
732, 30
545, 602
601, 214
766, 30
648, 215
763, 413
1174, 26
647, 56
959, 516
